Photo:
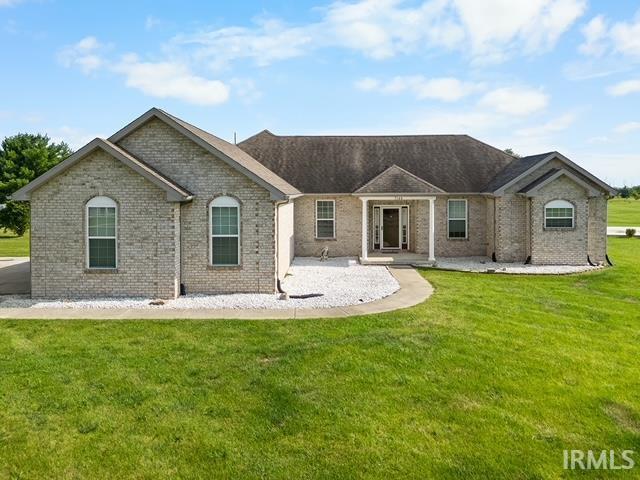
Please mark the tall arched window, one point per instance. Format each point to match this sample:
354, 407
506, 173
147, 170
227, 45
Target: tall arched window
558, 214
225, 231
102, 229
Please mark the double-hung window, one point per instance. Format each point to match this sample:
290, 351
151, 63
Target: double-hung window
325, 219
457, 218
558, 214
102, 226
225, 231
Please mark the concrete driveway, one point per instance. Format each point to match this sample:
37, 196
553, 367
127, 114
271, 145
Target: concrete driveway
15, 277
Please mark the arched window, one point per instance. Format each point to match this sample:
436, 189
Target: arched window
558, 214
225, 231
102, 229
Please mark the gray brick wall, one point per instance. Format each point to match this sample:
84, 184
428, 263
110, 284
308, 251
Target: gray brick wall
597, 240
147, 253
207, 177
559, 247
348, 239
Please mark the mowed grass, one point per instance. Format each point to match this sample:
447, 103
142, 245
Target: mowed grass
12, 245
624, 212
493, 377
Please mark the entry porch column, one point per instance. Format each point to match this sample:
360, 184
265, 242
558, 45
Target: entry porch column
365, 227
432, 228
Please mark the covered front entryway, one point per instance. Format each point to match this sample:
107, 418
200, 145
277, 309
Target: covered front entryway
398, 229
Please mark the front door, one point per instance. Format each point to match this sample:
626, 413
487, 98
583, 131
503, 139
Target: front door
390, 228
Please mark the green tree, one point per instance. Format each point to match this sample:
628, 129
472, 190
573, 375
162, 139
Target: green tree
511, 152
24, 157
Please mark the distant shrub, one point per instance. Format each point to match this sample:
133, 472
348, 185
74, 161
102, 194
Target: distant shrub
630, 232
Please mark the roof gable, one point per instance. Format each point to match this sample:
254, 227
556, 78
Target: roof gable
229, 153
524, 166
175, 192
397, 180
534, 187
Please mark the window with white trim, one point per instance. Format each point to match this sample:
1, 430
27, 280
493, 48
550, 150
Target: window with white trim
325, 219
559, 214
102, 226
225, 231
457, 216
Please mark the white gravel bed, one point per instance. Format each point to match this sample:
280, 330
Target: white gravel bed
340, 281
485, 265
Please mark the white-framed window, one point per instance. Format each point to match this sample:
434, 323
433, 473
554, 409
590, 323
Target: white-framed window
102, 232
325, 219
559, 214
457, 218
224, 213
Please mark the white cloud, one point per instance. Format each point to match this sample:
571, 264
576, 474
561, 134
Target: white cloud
626, 37
627, 127
245, 89
9, 3
171, 80
624, 88
555, 125
594, 33
447, 89
85, 55
491, 30
621, 37
472, 123
517, 101
494, 27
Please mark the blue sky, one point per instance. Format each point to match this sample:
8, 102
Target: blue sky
533, 75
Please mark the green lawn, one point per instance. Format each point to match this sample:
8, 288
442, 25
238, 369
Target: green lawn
491, 378
13, 246
624, 212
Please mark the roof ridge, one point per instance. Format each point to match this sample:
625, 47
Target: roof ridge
363, 136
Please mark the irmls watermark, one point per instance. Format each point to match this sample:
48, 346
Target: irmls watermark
599, 460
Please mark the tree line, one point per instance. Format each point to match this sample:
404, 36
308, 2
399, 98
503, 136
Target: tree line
24, 157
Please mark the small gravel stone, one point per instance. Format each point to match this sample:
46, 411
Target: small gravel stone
338, 281
486, 265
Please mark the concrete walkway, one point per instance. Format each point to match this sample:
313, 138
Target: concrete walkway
621, 231
15, 276
414, 289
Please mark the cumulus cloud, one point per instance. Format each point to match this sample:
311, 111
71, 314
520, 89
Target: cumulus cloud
517, 101
447, 89
85, 55
381, 29
595, 33
171, 80
164, 79
621, 38
624, 88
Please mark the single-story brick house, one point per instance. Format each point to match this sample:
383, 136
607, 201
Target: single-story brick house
162, 207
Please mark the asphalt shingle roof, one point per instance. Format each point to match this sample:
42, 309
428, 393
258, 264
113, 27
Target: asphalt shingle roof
342, 164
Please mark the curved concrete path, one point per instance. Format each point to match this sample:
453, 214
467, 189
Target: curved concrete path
414, 289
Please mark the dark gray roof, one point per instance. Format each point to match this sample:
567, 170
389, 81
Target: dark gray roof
397, 180
514, 169
342, 164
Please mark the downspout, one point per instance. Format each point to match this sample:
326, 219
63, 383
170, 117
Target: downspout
283, 295
495, 226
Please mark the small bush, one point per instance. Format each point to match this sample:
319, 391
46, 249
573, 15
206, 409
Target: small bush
630, 232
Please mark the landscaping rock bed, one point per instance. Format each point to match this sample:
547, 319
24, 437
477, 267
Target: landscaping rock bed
337, 282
